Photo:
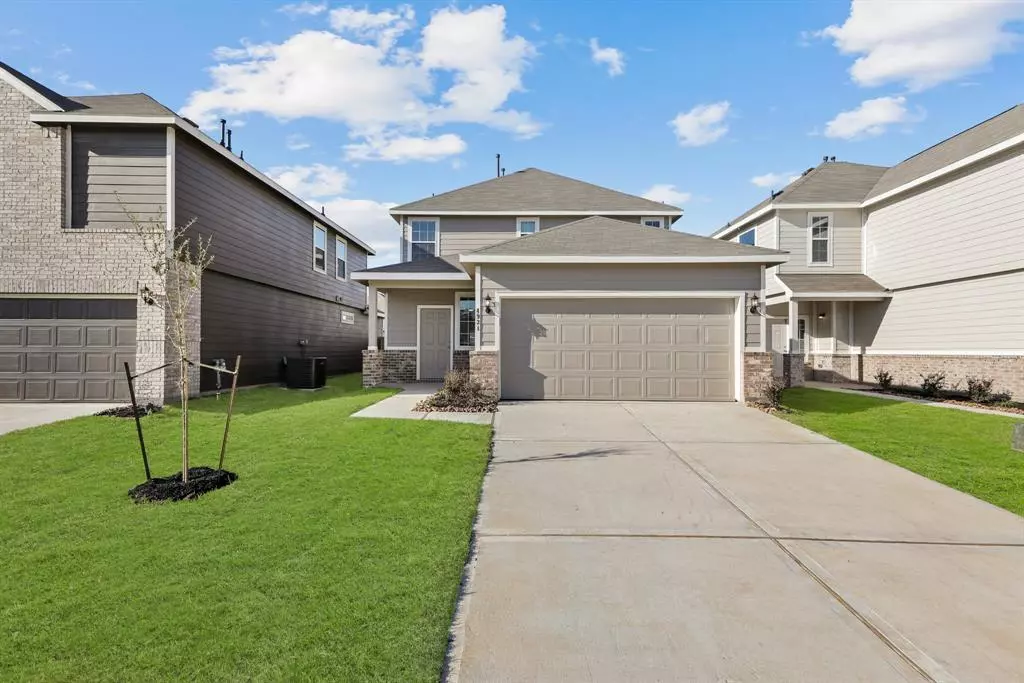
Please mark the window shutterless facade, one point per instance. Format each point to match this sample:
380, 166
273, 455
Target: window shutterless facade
819, 247
422, 238
653, 221
319, 249
340, 258
527, 226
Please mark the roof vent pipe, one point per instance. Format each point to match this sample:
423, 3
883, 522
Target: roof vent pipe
497, 165
241, 155
223, 125
229, 139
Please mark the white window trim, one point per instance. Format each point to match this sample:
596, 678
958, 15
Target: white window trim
437, 235
660, 219
457, 336
338, 239
313, 249
520, 221
810, 239
451, 346
740, 236
69, 151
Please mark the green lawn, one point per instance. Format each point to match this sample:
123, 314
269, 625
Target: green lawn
967, 451
336, 555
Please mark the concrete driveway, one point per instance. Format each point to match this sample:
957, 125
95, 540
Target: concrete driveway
712, 542
15, 416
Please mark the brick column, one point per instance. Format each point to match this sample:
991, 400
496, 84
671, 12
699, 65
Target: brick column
483, 366
793, 369
373, 367
757, 370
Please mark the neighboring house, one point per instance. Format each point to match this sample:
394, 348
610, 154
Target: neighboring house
71, 265
914, 269
549, 287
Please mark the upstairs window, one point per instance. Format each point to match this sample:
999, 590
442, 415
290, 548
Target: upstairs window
340, 258
422, 238
819, 252
527, 226
467, 321
319, 249
749, 237
653, 222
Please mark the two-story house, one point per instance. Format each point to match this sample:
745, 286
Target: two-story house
915, 269
71, 264
550, 287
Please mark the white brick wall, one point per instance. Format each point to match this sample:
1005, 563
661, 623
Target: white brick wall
38, 256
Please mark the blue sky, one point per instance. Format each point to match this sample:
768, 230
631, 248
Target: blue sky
362, 106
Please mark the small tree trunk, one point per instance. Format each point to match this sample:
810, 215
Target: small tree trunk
183, 386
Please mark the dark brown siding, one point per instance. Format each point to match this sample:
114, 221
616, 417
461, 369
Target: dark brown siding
264, 324
257, 234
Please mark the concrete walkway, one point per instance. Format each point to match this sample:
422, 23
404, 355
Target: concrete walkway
712, 542
401, 407
15, 416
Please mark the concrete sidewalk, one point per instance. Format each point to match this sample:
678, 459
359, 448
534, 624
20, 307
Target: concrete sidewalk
655, 541
401, 406
16, 416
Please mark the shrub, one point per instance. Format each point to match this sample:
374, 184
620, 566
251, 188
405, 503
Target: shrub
979, 389
933, 383
770, 392
460, 392
883, 378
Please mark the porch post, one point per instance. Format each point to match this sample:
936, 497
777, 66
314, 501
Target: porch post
371, 328
794, 338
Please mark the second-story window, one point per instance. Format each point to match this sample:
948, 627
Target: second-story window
527, 226
749, 237
319, 249
819, 250
422, 238
653, 221
340, 258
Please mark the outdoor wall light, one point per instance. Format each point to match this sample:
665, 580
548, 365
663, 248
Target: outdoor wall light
821, 316
490, 305
755, 305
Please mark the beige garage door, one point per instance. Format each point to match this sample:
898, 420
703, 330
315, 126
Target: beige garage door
617, 349
65, 349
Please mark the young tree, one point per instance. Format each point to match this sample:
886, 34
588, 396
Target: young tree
178, 259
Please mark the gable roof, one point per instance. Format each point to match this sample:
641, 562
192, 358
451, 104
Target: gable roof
830, 283
995, 130
39, 93
136, 104
434, 264
602, 239
532, 190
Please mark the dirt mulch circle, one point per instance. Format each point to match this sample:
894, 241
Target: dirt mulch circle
424, 407
200, 480
126, 411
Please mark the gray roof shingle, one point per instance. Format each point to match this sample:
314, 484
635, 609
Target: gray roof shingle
601, 236
64, 103
136, 104
535, 190
962, 145
427, 266
832, 283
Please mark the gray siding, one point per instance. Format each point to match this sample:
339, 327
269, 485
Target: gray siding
264, 324
846, 241
968, 225
974, 315
402, 303
463, 234
256, 234
587, 278
110, 167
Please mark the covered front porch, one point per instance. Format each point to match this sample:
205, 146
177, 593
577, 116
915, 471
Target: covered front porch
828, 319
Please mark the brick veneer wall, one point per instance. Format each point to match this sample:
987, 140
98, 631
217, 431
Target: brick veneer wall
460, 359
1007, 371
483, 365
757, 370
834, 368
388, 367
792, 369
38, 256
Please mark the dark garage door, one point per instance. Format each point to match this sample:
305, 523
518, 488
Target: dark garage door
65, 349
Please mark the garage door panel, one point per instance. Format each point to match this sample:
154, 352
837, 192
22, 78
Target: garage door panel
661, 349
66, 349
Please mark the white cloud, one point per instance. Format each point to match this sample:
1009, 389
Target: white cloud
314, 181
296, 142
871, 118
369, 220
300, 9
611, 57
666, 193
406, 148
360, 76
702, 125
922, 44
66, 80
775, 180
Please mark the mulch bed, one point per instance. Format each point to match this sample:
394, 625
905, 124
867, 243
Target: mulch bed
1012, 407
425, 407
126, 411
200, 480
